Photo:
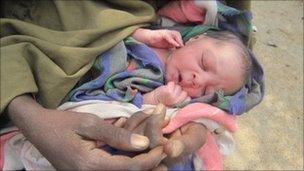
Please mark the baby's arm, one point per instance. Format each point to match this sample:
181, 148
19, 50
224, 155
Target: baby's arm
158, 38
168, 95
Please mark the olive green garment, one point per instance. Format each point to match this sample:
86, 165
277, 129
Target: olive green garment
47, 46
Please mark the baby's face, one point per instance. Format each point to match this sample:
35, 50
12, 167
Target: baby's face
203, 66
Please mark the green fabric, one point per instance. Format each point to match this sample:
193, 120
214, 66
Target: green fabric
191, 31
223, 101
47, 46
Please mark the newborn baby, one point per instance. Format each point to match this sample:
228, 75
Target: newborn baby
205, 64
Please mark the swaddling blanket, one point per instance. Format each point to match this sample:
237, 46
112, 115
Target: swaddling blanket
122, 73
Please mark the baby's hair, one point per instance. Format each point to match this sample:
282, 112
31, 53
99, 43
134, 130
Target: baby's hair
228, 37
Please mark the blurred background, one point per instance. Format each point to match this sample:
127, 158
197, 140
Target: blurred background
270, 136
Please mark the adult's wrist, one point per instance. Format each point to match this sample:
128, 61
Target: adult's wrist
23, 109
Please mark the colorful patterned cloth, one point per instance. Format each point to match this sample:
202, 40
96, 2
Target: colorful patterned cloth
123, 73
130, 69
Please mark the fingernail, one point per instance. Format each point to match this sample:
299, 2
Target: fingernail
177, 148
148, 111
120, 122
139, 141
167, 118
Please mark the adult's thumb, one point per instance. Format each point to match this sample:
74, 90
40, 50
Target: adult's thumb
95, 128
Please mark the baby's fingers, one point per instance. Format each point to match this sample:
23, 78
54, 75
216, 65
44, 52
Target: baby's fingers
170, 86
177, 90
177, 37
170, 39
181, 97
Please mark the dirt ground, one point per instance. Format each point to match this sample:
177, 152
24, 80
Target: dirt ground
270, 136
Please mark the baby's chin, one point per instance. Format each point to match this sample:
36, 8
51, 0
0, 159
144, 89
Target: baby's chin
190, 93
193, 95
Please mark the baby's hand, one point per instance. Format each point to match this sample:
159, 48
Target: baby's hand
170, 94
165, 39
159, 38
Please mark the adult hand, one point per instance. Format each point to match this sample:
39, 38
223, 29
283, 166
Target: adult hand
149, 125
68, 139
181, 143
184, 141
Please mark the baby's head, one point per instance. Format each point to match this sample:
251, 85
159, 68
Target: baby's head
210, 62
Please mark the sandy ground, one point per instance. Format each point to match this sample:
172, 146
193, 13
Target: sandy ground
270, 136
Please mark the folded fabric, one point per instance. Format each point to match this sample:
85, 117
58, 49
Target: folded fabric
123, 72
49, 46
8, 157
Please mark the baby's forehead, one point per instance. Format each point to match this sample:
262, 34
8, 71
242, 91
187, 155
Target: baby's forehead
223, 52
221, 47
227, 54
228, 63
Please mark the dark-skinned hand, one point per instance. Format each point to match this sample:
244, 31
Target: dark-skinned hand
68, 139
180, 144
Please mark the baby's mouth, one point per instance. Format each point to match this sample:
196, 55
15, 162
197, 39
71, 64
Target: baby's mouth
176, 77
180, 78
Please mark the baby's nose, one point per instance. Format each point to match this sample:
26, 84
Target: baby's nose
192, 81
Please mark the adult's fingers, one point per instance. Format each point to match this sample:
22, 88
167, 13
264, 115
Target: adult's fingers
120, 122
151, 159
191, 140
166, 122
174, 148
136, 119
160, 167
176, 133
95, 128
144, 161
154, 126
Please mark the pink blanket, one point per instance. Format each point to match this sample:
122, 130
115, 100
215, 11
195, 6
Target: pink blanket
4, 137
209, 153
